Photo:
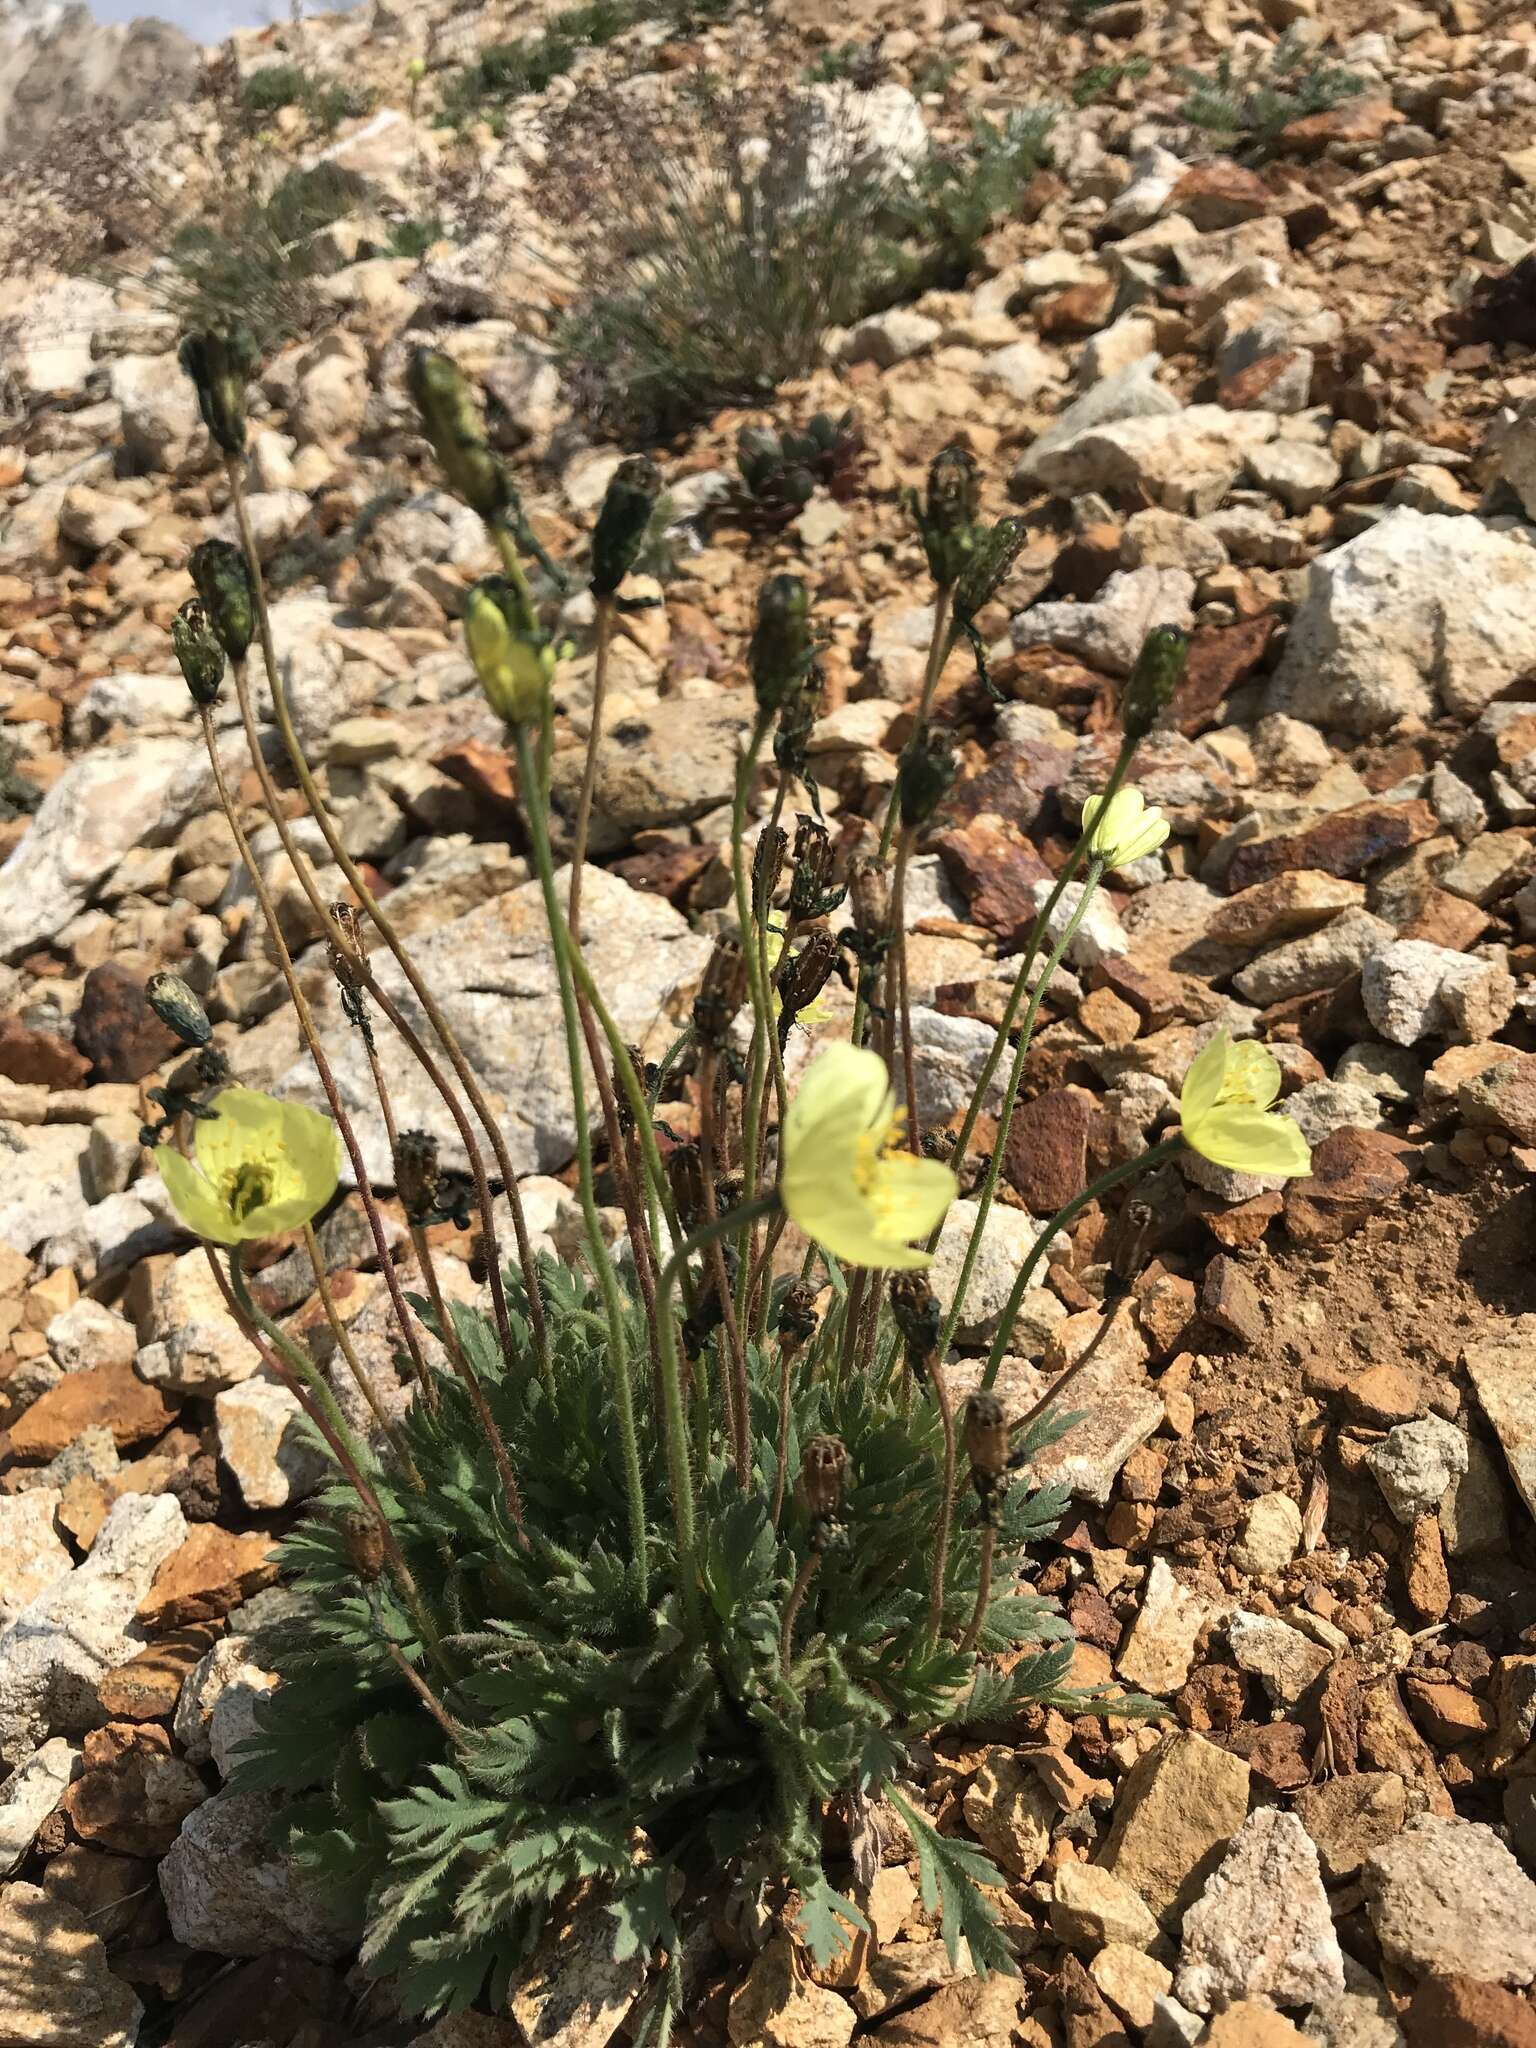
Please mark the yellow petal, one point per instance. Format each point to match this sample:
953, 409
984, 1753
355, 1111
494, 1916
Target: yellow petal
912, 1195
193, 1199
242, 1127
313, 1146
846, 1092
1202, 1084
1252, 1079
1252, 1141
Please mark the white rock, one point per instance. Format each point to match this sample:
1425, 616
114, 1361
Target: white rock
1006, 1242
1023, 369
94, 519
1160, 1649
1185, 461
1415, 1463
1108, 631
1262, 1928
331, 398
1270, 1535
1099, 937
230, 1891
1320, 960
31, 1793
85, 824
41, 1195
47, 344
266, 1445
54, 1654
58, 1990
87, 1333
1295, 472
891, 337
1155, 539
1281, 1657
1446, 1898
153, 703
1132, 393
1323, 1107
1422, 612
882, 129
195, 1345
1413, 989
162, 427
33, 1555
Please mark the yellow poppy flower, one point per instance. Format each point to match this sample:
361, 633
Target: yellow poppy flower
847, 1181
1124, 828
262, 1167
1225, 1113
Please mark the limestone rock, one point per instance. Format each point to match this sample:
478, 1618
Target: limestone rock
1446, 1898
1161, 1646
779, 2006
1185, 461
1091, 1906
1177, 1808
33, 1555
266, 1445
1285, 1661
31, 1793
1006, 1242
194, 1345
572, 1994
1270, 1535
1415, 1463
228, 1890
1107, 632
1502, 1377
58, 1990
1010, 1812
1414, 989
1262, 1928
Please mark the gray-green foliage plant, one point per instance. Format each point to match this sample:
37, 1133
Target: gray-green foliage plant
1253, 102
326, 99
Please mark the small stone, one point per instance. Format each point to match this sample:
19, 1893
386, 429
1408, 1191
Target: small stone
1286, 1662
1269, 1537
903, 1970
263, 1441
1090, 1906
780, 2007
1354, 1173
148, 1686
87, 1335
1446, 1898
1502, 1097
1177, 1808
891, 337
1249, 2025
1503, 1376
1321, 960
209, 1575
1161, 1646
111, 1395
1414, 990
1424, 1572
1415, 1463
31, 1793
1346, 844
58, 1991
1131, 1980
132, 1794
32, 1553
1385, 1395
1349, 1816
1459, 2012
117, 1030
573, 1993
1229, 1299
1010, 1813
229, 1890
1262, 1928
981, 2012
1006, 1241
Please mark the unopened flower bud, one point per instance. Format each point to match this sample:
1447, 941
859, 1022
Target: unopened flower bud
220, 366
365, 1544
823, 1476
802, 979
984, 573
512, 655
1156, 676
768, 865
223, 582
947, 520
797, 1314
924, 775
198, 653
451, 421
869, 891
621, 524
418, 1176
986, 1435
811, 892
916, 1308
178, 1009
347, 957
779, 655
722, 991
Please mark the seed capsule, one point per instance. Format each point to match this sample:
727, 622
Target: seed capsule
947, 521
365, 1544
797, 1314
802, 980
198, 653
916, 1308
810, 885
924, 775
177, 1007
418, 1176
768, 865
823, 1475
223, 582
986, 1436
722, 991
621, 524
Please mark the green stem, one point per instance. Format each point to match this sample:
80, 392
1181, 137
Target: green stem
1126, 1170
602, 1264
939, 646
1038, 930
1010, 1103
762, 1005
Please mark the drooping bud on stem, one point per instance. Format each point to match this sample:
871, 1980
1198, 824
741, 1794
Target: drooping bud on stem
797, 1315
223, 582
985, 1427
178, 1009
924, 775
947, 520
621, 524
452, 422
812, 892
768, 866
220, 366
512, 655
198, 653
418, 1176
869, 890
995, 554
823, 1476
365, 1544
1156, 676
722, 991
916, 1308
780, 653
802, 979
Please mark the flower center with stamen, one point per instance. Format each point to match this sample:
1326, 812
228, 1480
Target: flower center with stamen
246, 1187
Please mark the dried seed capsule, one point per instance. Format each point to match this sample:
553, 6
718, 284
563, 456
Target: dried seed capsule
768, 866
223, 582
722, 991
779, 655
1156, 676
365, 1544
797, 1314
823, 1475
802, 979
178, 1008
947, 521
347, 958
511, 653
418, 1176
869, 892
986, 1436
198, 653
810, 885
687, 1183
916, 1308
621, 524
451, 421
924, 775
220, 366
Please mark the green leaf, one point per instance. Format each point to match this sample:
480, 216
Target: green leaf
949, 1871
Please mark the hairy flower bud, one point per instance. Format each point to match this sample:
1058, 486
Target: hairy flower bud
916, 1309
780, 653
220, 366
802, 979
198, 653
451, 421
223, 581
512, 655
984, 573
811, 891
365, 1544
768, 866
823, 1476
947, 520
179, 1009
1159, 668
621, 524
985, 1429
418, 1176
797, 1314
722, 991
924, 775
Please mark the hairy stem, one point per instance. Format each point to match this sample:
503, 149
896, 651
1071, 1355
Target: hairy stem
945, 1406
797, 1594
983, 1589
735, 1380
354, 1364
